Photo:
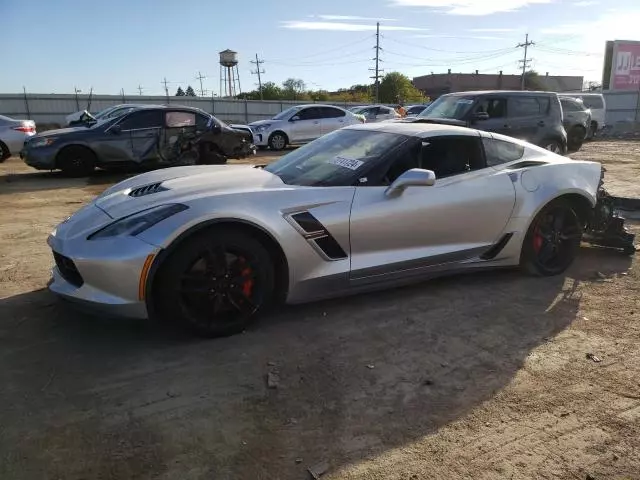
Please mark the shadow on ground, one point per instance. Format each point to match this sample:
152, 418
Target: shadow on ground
90, 398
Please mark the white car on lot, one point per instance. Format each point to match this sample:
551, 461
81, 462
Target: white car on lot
301, 124
13, 134
376, 113
596, 103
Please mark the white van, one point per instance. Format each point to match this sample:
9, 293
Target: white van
595, 102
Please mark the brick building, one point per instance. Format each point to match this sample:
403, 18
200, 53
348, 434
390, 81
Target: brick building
438, 84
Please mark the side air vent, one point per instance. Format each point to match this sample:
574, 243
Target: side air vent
527, 163
496, 248
147, 190
318, 236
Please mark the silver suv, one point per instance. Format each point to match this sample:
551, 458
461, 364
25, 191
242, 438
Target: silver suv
301, 124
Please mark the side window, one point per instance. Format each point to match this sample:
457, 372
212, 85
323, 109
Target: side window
143, 119
451, 155
499, 151
523, 106
180, 119
594, 102
545, 104
328, 112
202, 122
495, 107
569, 106
310, 113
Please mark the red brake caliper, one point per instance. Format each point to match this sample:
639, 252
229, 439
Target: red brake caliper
247, 284
537, 240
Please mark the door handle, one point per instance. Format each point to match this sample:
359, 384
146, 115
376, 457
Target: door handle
507, 126
541, 123
316, 122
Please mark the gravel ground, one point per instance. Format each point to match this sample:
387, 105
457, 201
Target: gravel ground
476, 376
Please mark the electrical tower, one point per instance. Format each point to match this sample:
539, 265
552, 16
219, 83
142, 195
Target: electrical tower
201, 77
166, 89
525, 62
257, 71
140, 89
377, 70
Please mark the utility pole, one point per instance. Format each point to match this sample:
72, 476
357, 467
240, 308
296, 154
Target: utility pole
166, 89
200, 77
377, 70
140, 89
257, 71
525, 62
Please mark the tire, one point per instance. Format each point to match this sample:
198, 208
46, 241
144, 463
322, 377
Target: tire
551, 244
76, 161
278, 141
192, 283
553, 146
210, 155
575, 138
4, 152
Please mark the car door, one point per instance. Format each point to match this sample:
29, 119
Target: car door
526, 116
571, 114
143, 128
423, 228
385, 113
495, 110
332, 119
305, 125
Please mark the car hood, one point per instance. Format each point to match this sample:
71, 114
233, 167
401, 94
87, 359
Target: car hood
263, 122
440, 121
181, 184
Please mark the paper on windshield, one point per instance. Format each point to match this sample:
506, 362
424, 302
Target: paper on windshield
465, 101
350, 163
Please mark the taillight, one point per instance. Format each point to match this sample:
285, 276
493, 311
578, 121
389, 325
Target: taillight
26, 129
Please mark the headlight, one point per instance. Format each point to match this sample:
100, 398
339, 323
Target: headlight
262, 128
41, 142
138, 222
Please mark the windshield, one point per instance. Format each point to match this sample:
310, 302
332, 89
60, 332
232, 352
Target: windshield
285, 114
336, 159
113, 112
455, 107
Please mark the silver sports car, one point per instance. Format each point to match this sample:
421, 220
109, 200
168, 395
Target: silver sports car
362, 208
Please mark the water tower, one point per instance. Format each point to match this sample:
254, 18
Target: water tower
229, 77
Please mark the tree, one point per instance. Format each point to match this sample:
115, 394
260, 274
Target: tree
271, 91
189, 92
179, 92
397, 88
293, 88
533, 81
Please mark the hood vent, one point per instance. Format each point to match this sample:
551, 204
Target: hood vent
147, 190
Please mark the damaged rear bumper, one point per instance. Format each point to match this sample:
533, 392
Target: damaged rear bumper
606, 228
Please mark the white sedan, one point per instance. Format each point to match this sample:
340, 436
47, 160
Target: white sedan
13, 134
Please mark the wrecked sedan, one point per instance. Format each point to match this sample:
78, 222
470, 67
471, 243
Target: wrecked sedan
363, 208
149, 137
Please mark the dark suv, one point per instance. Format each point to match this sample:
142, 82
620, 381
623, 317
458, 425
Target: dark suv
532, 116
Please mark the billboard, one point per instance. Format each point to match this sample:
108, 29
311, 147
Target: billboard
622, 62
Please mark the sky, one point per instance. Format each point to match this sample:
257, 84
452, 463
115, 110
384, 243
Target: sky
55, 46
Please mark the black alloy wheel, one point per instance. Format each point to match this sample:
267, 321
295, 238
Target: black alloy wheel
553, 240
215, 283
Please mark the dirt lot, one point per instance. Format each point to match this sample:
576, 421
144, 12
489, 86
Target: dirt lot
481, 376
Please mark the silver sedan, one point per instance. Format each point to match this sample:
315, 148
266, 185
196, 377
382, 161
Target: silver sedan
363, 208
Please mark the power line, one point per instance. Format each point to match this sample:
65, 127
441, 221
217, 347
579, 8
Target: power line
402, 42
200, 77
525, 62
324, 52
377, 70
449, 61
257, 71
322, 61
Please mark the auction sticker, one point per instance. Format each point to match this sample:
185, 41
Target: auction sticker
350, 163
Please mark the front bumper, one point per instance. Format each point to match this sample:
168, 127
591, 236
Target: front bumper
43, 158
261, 139
107, 276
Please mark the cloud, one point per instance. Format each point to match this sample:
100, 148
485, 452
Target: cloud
352, 17
346, 27
466, 37
585, 3
470, 7
493, 30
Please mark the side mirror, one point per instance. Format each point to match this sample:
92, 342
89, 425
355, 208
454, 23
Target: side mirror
416, 177
480, 116
295, 118
116, 129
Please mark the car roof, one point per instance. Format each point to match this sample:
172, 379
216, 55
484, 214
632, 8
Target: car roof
500, 92
317, 105
416, 129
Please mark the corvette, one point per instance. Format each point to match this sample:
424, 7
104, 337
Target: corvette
363, 208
